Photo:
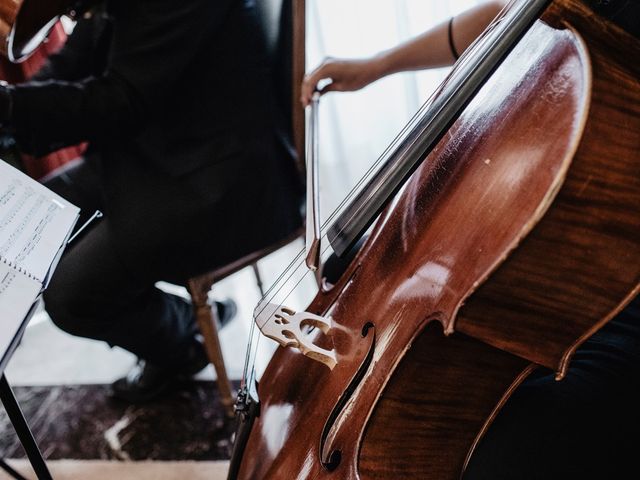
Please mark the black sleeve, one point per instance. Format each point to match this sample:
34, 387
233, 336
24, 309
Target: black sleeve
625, 13
80, 55
153, 42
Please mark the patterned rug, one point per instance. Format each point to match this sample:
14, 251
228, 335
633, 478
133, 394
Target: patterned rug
83, 422
104, 470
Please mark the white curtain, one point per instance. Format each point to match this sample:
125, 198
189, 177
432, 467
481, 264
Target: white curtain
355, 128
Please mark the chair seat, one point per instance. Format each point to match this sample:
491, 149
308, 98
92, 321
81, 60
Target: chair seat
224, 271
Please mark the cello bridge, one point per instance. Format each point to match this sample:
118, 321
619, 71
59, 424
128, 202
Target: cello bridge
285, 326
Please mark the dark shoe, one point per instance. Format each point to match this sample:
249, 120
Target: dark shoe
227, 309
143, 383
146, 382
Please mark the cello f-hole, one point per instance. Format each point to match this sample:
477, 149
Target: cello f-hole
365, 329
335, 457
331, 460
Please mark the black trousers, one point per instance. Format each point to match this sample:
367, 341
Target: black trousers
583, 427
93, 292
158, 226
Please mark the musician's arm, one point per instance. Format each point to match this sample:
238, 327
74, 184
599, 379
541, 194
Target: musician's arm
431, 49
153, 41
77, 59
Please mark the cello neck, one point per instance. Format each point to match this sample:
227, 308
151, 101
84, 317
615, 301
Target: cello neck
430, 123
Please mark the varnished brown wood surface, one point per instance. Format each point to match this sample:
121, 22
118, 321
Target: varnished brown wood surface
438, 399
582, 261
472, 201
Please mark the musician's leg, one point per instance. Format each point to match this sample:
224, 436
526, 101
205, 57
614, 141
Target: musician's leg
93, 294
79, 183
580, 427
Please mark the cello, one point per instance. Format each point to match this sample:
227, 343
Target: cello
509, 233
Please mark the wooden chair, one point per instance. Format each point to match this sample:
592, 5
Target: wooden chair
284, 22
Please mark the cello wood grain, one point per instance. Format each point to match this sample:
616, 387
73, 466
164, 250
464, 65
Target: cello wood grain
523, 216
581, 264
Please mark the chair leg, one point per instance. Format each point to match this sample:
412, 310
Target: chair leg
256, 272
206, 316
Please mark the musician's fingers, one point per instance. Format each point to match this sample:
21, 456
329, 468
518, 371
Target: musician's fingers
311, 80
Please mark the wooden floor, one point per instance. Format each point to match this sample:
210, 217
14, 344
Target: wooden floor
105, 470
82, 422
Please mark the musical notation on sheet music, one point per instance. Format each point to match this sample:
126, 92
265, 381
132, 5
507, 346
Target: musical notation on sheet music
17, 294
34, 222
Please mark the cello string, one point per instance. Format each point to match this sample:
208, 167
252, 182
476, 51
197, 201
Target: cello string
459, 79
372, 169
252, 350
252, 329
283, 279
465, 58
456, 68
251, 380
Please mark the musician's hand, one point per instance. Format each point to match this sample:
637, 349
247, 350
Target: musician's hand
344, 76
5, 102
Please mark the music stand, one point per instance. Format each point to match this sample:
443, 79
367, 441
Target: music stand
14, 412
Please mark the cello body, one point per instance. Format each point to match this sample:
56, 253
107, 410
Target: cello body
515, 240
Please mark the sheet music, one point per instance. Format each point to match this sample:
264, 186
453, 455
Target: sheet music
17, 294
34, 222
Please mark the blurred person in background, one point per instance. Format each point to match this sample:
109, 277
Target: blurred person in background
187, 158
